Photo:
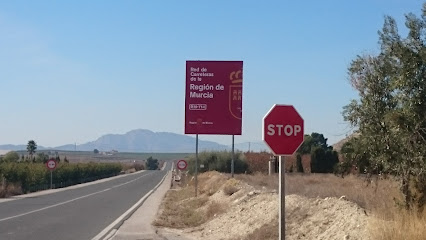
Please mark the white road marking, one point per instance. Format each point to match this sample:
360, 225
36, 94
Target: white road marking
50, 191
54, 205
72, 200
106, 233
122, 184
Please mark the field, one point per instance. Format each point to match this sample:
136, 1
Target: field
83, 156
23, 177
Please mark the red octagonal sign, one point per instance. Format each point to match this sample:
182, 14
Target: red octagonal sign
283, 129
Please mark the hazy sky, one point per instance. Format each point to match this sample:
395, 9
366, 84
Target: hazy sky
71, 71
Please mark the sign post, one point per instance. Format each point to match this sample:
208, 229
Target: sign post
51, 165
213, 100
283, 131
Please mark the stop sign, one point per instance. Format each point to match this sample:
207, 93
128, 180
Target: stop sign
283, 129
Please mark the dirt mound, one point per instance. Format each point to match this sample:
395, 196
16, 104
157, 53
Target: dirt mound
247, 213
251, 213
328, 218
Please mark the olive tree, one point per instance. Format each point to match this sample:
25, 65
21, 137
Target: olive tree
390, 113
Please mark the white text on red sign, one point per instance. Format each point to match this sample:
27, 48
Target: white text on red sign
198, 107
280, 129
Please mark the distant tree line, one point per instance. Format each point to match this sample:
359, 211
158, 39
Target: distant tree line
219, 161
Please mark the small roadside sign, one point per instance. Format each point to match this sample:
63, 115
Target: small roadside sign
182, 164
51, 164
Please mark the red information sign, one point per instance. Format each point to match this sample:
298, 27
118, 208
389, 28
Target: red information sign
213, 100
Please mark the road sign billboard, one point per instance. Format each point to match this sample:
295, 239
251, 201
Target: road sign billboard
213, 97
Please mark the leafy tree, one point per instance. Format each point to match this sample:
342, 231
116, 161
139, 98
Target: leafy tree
66, 160
31, 147
323, 161
96, 151
317, 157
151, 164
354, 156
11, 157
42, 157
313, 141
390, 114
219, 161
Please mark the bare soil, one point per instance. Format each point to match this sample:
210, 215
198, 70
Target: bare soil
233, 209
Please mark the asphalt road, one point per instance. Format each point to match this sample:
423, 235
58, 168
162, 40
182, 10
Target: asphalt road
75, 214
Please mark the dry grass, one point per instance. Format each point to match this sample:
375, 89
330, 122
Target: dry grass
378, 195
10, 190
231, 187
402, 225
259, 180
268, 231
229, 190
215, 208
181, 210
210, 182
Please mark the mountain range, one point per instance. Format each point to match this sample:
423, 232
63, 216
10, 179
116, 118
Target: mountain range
142, 140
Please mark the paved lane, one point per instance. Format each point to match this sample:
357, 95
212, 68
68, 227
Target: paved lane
79, 213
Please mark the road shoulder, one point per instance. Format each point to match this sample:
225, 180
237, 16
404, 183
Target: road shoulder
139, 224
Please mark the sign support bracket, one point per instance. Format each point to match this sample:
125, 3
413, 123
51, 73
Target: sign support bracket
196, 164
233, 157
51, 179
282, 198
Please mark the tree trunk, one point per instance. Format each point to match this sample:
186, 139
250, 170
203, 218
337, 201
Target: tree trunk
406, 190
421, 189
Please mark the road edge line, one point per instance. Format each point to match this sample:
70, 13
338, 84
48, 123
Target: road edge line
72, 187
120, 220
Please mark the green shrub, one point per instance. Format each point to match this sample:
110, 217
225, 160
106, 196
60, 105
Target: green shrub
31, 175
323, 161
218, 161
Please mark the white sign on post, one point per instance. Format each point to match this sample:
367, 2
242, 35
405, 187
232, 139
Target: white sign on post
51, 165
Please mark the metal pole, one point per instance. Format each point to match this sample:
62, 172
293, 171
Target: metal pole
51, 182
232, 162
196, 164
282, 199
